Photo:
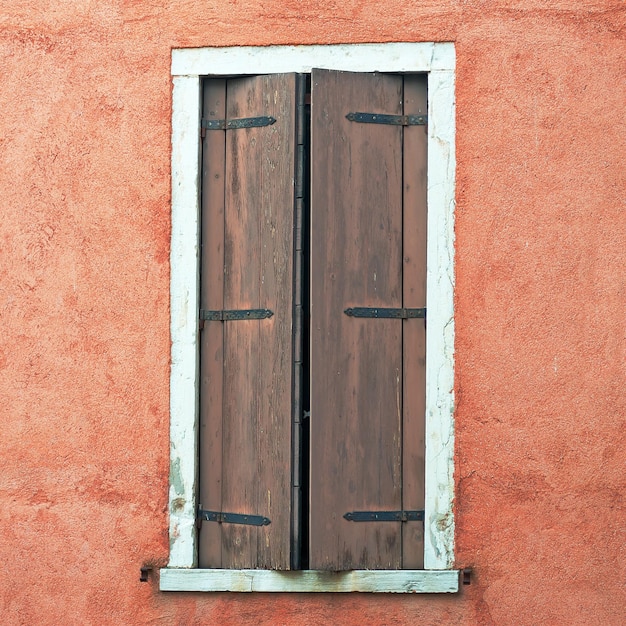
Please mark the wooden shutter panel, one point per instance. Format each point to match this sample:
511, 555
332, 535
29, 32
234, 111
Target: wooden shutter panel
414, 331
366, 409
246, 365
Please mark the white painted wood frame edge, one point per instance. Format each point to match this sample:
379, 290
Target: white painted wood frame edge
188, 66
308, 581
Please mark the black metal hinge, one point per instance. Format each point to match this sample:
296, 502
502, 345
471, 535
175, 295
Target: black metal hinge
244, 122
233, 518
239, 314
383, 312
385, 516
394, 120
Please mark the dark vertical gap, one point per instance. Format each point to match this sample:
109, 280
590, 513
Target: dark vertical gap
300, 437
306, 334
296, 403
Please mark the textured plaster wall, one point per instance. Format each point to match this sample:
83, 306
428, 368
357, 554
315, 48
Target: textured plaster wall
541, 306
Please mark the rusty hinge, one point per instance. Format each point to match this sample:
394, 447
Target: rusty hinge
144, 573
238, 314
233, 518
244, 122
394, 120
385, 516
384, 312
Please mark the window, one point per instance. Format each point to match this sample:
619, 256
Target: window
248, 395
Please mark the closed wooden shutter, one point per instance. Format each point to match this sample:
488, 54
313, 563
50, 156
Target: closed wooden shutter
368, 215
246, 365
367, 228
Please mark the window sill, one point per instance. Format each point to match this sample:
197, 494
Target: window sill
310, 581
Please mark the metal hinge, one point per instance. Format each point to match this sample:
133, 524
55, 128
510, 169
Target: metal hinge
383, 312
466, 575
244, 122
233, 518
395, 120
239, 314
385, 516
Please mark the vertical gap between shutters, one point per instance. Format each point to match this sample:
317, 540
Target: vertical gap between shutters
304, 408
296, 405
306, 460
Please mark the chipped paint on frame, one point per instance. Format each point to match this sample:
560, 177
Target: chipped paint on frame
188, 65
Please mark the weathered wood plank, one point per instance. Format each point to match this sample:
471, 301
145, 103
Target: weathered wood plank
212, 337
258, 264
356, 364
310, 581
414, 330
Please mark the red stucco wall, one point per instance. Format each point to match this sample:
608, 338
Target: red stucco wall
540, 300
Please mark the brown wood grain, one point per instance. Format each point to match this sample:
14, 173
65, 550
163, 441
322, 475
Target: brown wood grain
257, 354
414, 330
356, 381
368, 248
212, 337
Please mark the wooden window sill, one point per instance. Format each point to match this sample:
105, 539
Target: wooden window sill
310, 581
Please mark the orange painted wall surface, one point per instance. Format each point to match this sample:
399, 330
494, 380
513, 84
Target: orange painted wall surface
540, 306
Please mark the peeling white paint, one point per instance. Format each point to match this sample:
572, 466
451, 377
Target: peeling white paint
438, 59
439, 518
379, 581
184, 302
370, 57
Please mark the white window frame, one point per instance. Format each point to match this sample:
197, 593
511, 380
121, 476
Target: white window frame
188, 68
